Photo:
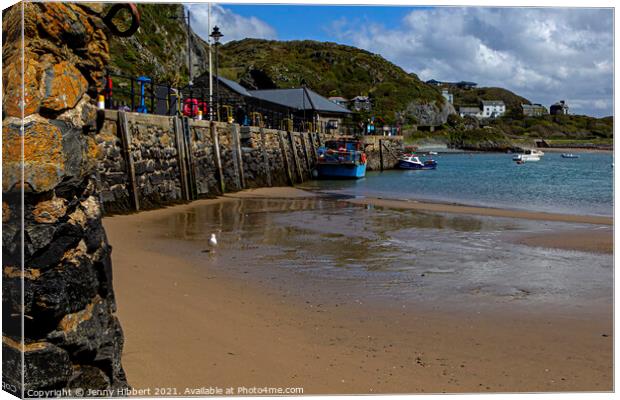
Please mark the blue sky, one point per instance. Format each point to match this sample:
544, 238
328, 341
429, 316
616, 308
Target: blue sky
544, 54
313, 22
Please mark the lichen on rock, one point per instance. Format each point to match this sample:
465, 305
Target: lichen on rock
72, 338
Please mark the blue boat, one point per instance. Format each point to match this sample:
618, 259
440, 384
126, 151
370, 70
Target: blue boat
410, 161
341, 159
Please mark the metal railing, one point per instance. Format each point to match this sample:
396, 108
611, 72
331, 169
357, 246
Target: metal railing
145, 95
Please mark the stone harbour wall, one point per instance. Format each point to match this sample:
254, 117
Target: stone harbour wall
383, 148
150, 160
70, 337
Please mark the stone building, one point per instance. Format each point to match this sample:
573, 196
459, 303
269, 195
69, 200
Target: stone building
559, 108
470, 111
533, 110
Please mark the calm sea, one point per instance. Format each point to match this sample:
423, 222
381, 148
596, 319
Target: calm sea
554, 184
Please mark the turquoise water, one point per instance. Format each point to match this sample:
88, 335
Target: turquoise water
554, 184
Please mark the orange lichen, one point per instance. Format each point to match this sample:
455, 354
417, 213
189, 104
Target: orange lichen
70, 322
28, 347
63, 86
43, 155
48, 212
13, 272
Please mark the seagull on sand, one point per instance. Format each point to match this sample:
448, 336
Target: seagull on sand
213, 240
212, 244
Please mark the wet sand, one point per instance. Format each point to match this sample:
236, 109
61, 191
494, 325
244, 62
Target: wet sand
190, 324
601, 241
484, 211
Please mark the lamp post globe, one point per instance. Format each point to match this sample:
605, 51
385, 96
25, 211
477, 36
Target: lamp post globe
216, 35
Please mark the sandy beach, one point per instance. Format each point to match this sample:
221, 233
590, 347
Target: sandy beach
192, 321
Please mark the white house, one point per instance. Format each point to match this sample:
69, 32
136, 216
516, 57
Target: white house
447, 95
493, 108
359, 103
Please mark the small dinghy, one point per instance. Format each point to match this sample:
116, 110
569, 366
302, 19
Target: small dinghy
570, 155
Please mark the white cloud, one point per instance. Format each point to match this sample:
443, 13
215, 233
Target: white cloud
543, 54
233, 26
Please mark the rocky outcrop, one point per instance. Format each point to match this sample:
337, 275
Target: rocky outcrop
71, 337
429, 114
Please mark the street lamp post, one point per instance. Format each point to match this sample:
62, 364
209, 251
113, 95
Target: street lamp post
216, 35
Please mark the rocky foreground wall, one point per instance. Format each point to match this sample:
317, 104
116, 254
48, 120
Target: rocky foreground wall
152, 160
63, 320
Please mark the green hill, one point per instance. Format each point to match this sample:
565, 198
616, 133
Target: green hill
328, 68
159, 48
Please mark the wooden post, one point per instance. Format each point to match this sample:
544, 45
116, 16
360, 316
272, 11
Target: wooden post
218, 158
305, 147
179, 139
237, 144
285, 157
123, 130
265, 155
189, 156
313, 146
381, 155
291, 140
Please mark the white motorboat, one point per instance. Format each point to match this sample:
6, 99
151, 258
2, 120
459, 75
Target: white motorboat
528, 155
410, 161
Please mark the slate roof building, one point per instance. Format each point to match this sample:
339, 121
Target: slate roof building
470, 111
302, 104
533, 110
276, 106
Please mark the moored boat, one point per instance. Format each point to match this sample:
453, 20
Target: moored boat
528, 155
343, 158
570, 155
410, 161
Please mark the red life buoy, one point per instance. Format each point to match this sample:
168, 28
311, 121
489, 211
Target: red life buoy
363, 158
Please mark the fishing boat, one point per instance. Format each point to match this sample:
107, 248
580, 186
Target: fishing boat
528, 155
570, 155
410, 161
343, 158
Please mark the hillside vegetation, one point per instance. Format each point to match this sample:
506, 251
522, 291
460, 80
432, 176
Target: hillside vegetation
473, 97
330, 69
574, 127
159, 48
